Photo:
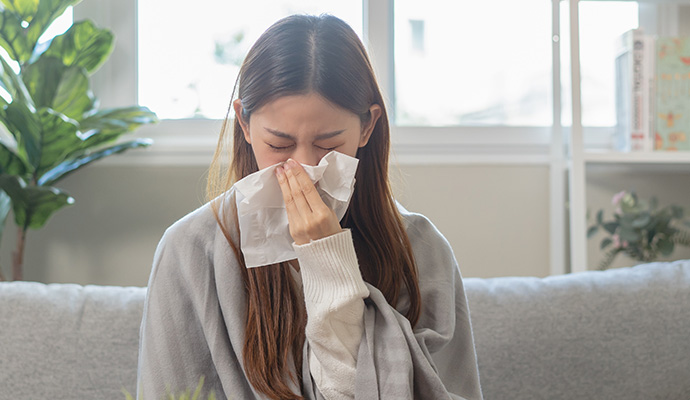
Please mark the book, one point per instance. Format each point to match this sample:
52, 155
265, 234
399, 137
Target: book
672, 127
634, 86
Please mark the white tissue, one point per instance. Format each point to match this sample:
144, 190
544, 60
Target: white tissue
264, 232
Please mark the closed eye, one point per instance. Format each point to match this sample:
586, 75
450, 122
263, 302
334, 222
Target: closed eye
279, 148
328, 148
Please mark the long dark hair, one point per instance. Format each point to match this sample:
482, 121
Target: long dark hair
298, 55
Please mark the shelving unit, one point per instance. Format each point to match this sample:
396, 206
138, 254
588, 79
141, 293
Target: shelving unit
656, 157
663, 19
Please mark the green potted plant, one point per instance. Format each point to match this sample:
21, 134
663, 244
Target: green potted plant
50, 122
186, 395
640, 229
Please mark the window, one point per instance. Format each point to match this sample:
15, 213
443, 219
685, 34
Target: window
189, 56
484, 63
460, 78
601, 23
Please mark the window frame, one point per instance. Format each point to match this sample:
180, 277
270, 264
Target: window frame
191, 141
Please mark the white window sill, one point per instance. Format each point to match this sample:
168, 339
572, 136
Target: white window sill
191, 142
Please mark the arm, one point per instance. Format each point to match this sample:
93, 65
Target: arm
333, 286
394, 360
173, 351
435, 359
334, 291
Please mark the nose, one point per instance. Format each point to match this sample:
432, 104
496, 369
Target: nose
306, 156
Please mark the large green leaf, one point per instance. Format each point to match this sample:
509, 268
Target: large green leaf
64, 89
59, 136
46, 13
42, 79
13, 38
26, 128
10, 162
82, 45
73, 97
48, 137
14, 85
19, 41
69, 166
26, 9
107, 125
33, 205
13, 159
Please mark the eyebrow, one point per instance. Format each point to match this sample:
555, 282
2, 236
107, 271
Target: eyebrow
320, 136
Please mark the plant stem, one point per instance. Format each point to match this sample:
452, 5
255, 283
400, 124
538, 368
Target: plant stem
683, 238
608, 259
18, 255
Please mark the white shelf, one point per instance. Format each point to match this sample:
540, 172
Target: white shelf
650, 157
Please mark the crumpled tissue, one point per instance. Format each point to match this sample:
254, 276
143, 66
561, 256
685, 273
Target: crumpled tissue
264, 231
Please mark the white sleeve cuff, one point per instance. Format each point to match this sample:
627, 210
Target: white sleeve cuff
329, 268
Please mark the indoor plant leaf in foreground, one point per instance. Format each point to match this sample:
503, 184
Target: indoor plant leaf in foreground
67, 167
33, 205
83, 45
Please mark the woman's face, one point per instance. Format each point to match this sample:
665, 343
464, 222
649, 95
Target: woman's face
304, 128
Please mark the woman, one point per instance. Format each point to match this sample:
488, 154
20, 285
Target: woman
373, 306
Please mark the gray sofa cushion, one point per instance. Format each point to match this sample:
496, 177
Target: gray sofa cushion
64, 341
618, 334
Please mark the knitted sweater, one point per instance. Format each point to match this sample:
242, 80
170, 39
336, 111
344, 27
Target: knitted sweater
194, 318
334, 293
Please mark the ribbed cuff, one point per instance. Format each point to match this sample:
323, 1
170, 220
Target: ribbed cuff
329, 269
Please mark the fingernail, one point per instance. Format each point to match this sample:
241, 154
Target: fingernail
279, 170
291, 162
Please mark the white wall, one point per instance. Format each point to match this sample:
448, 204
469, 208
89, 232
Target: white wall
495, 217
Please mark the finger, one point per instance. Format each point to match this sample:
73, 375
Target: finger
309, 191
295, 176
296, 221
321, 221
286, 190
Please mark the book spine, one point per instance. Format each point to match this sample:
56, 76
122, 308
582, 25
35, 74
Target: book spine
650, 68
621, 138
672, 128
639, 124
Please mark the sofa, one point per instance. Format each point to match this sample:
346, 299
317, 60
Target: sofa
616, 334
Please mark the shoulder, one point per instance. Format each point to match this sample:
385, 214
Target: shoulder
199, 228
193, 227
433, 253
191, 246
420, 228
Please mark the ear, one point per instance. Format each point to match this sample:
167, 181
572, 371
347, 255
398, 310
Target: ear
237, 105
368, 127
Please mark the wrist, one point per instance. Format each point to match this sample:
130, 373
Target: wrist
330, 269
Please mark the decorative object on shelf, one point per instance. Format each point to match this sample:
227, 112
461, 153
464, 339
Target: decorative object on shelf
50, 122
640, 229
652, 93
634, 91
672, 94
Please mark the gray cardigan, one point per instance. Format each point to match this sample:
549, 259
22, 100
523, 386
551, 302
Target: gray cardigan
194, 320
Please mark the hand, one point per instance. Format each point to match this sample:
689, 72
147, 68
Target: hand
308, 216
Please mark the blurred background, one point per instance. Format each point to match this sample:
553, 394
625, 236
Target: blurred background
470, 89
